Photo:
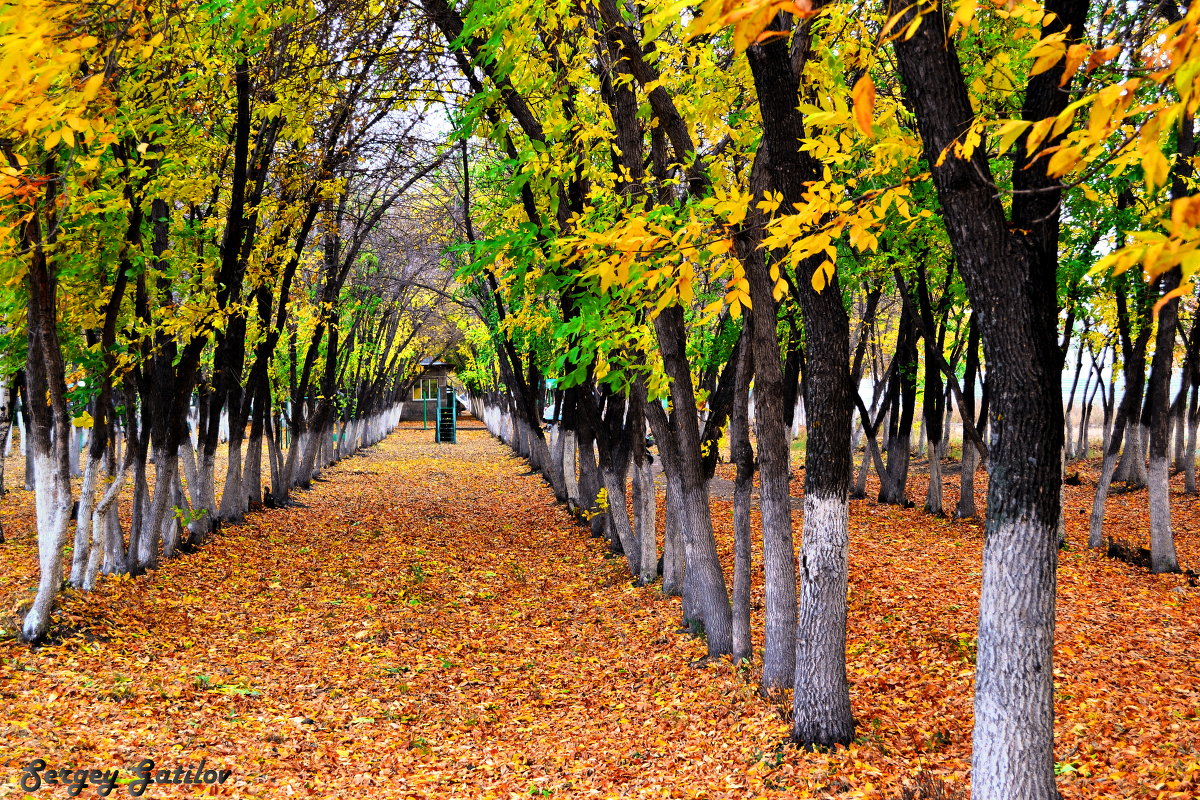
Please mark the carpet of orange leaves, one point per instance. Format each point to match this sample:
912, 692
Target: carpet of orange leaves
432, 624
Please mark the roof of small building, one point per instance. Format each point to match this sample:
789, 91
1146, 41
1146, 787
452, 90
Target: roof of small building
429, 362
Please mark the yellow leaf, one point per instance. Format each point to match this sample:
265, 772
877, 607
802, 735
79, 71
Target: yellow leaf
1184, 288
1010, 131
1154, 164
1062, 162
864, 103
1185, 214
1047, 53
1076, 53
1103, 56
92, 87
963, 16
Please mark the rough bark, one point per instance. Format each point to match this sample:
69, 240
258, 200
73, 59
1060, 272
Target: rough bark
1009, 267
1162, 540
821, 706
48, 424
773, 430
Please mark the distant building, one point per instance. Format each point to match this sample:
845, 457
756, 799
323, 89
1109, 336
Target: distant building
422, 400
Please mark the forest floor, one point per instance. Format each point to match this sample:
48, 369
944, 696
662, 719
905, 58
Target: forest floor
431, 624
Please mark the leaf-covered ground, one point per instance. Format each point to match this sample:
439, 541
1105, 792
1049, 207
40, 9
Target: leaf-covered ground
432, 624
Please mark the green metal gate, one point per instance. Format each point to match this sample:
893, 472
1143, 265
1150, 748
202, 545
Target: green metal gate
446, 431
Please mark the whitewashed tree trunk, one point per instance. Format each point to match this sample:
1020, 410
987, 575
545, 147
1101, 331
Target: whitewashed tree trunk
821, 690
233, 499
1162, 540
75, 445
555, 467
53, 502
166, 466
570, 477
618, 513
674, 559
646, 516
252, 471
80, 554
170, 522
102, 546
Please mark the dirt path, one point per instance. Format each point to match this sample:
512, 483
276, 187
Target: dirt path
432, 625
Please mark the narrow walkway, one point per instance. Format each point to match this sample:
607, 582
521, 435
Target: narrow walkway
431, 624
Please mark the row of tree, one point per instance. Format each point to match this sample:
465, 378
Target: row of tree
230, 216
206, 262
677, 201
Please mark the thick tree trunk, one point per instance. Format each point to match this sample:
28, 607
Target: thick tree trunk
589, 476
1009, 267
166, 463
48, 425
233, 496
568, 468
558, 480
1131, 469
821, 698
645, 505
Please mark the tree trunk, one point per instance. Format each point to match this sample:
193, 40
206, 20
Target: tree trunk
681, 435
104, 519
742, 455
80, 553
1009, 268
1189, 453
8, 403
48, 424
674, 561
1162, 540
774, 468
904, 393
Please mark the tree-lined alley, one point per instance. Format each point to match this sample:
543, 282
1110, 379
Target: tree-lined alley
932, 253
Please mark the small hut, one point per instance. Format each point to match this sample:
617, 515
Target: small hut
432, 379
